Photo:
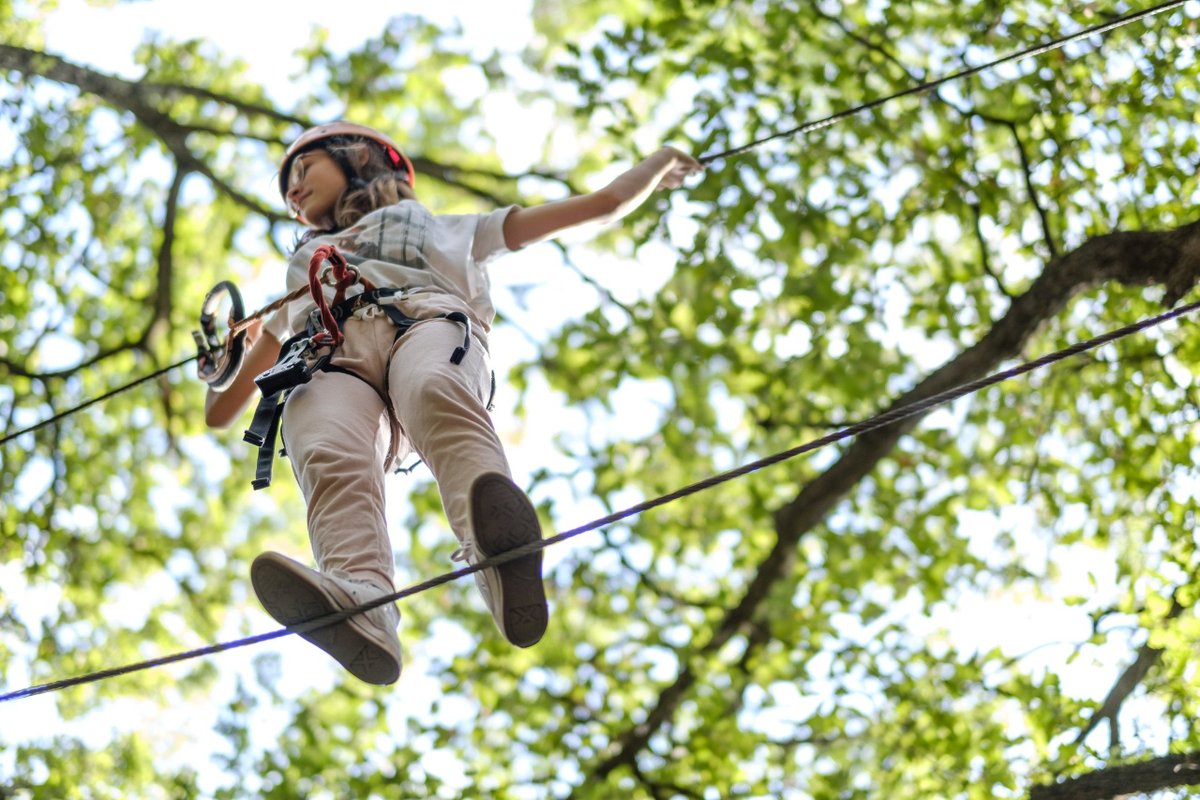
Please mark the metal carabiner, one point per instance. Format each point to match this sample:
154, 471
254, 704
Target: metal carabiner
218, 361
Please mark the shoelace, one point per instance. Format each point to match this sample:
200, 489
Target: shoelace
470, 554
466, 553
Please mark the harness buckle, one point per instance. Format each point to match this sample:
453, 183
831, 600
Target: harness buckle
296, 366
388, 298
327, 278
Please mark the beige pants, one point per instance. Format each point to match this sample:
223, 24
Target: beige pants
336, 432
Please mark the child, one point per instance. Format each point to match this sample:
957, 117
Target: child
353, 187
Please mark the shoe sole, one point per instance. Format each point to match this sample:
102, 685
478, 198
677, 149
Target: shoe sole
291, 598
504, 519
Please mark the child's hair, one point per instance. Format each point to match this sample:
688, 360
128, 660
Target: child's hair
377, 185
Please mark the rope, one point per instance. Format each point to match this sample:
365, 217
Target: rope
85, 404
341, 276
873, 424
244, 323
929, 86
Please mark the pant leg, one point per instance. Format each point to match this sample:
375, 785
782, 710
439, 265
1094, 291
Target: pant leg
442, 409
335, 431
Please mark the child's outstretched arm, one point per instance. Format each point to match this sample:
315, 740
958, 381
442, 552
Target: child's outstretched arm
664, 169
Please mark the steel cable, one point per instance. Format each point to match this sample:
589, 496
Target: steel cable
929, 86
874, 423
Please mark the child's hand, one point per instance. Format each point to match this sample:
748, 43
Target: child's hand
682, 165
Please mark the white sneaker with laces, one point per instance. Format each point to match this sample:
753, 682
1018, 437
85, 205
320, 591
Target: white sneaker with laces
502, 518
365, 644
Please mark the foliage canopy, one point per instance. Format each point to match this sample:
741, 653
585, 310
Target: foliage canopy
832, 627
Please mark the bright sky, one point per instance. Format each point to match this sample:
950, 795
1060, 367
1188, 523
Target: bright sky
105, 37
265, 34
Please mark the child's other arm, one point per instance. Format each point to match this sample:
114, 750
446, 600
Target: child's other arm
664, 169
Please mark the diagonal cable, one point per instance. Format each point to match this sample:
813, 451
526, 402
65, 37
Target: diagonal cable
93, 401
874, 423
808, 127
929, 86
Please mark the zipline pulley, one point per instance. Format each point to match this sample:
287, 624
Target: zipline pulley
218, 360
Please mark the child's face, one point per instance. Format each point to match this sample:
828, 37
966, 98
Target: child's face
315, 182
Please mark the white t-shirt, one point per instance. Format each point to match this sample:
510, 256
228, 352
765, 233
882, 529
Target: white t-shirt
405, 246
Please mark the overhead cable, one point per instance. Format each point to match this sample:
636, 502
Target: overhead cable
929, 86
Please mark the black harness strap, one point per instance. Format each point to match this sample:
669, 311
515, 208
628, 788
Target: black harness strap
262, 433
275, 384
298, 361
401, 320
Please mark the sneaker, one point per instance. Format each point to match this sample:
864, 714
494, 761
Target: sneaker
502, 518
365, 644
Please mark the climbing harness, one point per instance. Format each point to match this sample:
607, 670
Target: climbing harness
311, 351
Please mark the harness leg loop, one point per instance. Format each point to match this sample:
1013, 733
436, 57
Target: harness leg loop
461, 352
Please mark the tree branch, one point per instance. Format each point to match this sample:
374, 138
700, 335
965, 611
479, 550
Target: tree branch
135, 97
163, 295
1027, 172
504, 176
1130, 679
600, 288
453, 176
21, 371
213, 130
985, 258
164, 280
645, 580
1134, 258
660, 790
1128, 779
866, 43
172, 90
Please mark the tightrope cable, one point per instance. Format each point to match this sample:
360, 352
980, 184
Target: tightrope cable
874, 423
98, 399
929, 86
